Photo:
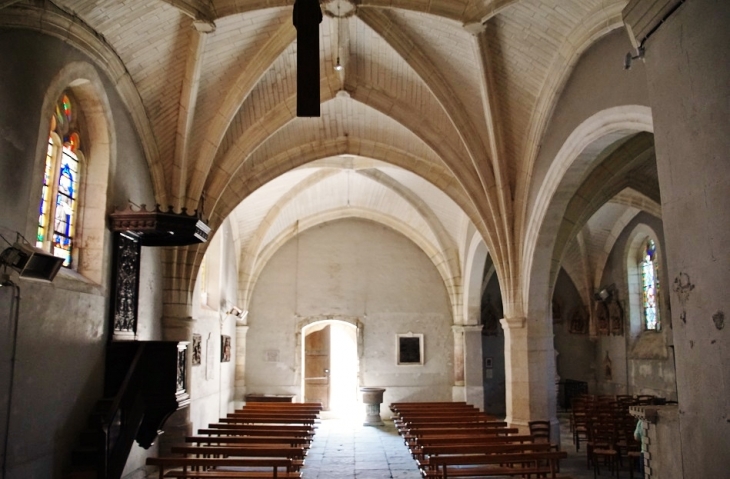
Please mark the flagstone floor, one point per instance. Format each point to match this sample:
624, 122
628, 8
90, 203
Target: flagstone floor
345, 449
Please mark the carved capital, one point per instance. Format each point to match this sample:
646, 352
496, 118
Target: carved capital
513, 323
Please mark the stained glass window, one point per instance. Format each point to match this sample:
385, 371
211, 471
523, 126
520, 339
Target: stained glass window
650, 285
60, 184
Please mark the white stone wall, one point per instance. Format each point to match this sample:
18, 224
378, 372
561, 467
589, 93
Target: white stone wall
63, 327
354, 269
211, 385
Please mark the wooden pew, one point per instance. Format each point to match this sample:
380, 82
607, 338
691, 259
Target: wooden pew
433, 450
261, 406
255, 419
464, 429
257, 430
199, 468
416, 446
527, 464
296, 454
395, 406
252, 440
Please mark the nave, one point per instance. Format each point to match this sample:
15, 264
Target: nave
343, 448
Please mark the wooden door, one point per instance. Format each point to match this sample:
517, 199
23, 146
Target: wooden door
317, 367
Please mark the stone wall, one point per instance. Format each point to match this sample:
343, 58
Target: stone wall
642, 362
354, 270
63, 326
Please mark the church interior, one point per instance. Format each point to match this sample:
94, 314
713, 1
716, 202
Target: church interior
502, 202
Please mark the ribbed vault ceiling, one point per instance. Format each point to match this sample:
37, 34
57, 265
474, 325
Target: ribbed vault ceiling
435, 120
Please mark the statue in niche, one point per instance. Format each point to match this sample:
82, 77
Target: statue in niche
616, 316
578, 322
602, 318
489, 318
557, 312
607, 368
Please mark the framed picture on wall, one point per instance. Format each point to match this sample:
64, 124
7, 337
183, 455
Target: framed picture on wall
409, 349
197, 357
225, 349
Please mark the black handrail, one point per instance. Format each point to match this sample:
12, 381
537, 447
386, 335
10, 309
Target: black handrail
121, 423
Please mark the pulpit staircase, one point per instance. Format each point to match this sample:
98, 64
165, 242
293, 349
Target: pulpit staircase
144, 385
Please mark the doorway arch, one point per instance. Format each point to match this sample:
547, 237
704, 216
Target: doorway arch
329, 355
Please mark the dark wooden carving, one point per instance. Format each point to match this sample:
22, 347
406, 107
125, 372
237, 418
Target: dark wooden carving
147, 380
160, 228
125, 285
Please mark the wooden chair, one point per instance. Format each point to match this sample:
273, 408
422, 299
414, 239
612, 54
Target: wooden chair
601, 448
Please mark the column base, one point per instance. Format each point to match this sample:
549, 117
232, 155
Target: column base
458, 393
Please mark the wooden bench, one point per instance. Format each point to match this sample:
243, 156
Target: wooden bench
219, 440
433, 450
418, 443
256, 419
294, 405
528, 464
253, 430
248, 468
414, 433
296, 454
272, 425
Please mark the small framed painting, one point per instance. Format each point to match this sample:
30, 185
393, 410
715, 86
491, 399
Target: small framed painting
197, 356
225, 349
409, 349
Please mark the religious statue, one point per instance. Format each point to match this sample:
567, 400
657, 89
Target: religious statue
578, 322
602, 318
616, 316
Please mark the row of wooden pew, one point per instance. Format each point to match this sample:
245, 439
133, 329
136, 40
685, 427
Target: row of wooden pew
259, 441
456, 440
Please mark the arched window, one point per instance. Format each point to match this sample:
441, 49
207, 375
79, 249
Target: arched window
649, 267
57, 218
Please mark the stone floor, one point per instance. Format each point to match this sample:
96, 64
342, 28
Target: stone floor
344, 449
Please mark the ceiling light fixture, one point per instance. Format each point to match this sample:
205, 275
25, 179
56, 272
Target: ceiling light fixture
338, 65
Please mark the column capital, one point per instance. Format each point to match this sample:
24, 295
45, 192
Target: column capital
241, 325
513, 323
473, 328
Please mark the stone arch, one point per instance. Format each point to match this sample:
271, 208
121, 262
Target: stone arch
451, 283
632, 276
578, 153
476, 259
99, 158
308, 324
49, 20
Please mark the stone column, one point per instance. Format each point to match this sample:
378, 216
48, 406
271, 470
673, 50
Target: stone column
178, 425
660, 436
529, 372
458, 391
473, 373
240, 375
688, 74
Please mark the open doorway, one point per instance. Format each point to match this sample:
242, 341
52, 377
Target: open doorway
331, 366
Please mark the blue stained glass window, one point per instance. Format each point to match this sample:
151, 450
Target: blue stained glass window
650, 286
60, 183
